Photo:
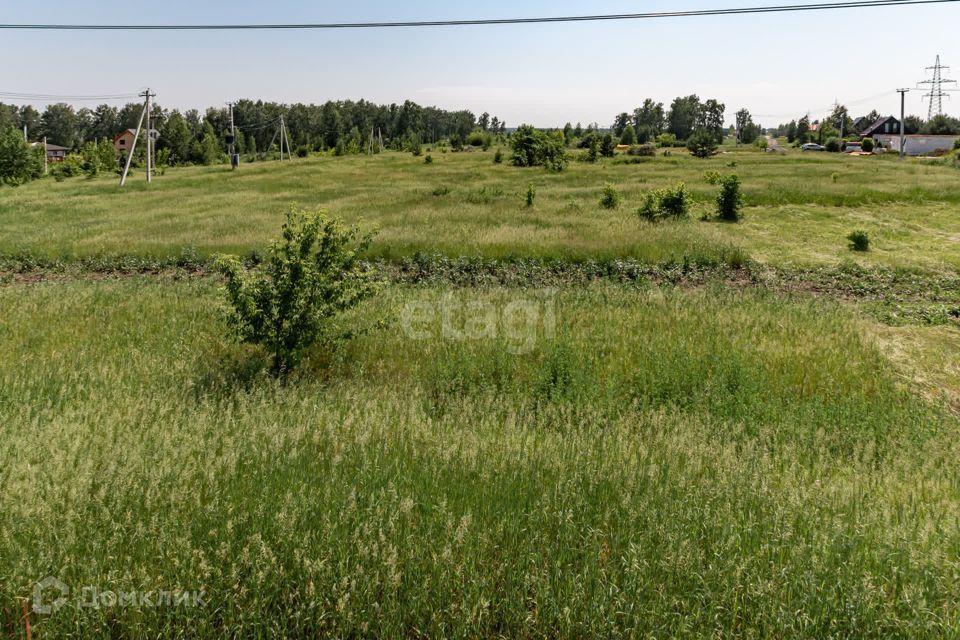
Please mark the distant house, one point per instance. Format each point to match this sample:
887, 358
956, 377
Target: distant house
123, 141
883, 126
55, 153
861, 124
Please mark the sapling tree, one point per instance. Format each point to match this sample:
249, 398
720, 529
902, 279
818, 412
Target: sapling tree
311, 274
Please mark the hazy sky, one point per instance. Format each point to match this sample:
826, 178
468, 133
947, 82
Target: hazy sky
779, 66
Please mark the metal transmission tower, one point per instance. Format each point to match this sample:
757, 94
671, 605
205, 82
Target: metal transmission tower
937, 92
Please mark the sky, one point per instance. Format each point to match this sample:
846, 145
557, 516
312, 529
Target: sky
779, 66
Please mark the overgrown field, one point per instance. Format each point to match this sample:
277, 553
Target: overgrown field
554, 421
604, 461
800, 208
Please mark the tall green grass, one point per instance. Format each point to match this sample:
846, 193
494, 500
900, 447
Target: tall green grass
659, 463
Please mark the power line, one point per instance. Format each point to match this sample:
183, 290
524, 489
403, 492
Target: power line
821, 6
937, 92
13, 95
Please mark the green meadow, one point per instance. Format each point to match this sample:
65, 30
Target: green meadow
799, 209
756, 435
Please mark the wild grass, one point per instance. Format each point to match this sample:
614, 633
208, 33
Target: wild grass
654, 462
465, 205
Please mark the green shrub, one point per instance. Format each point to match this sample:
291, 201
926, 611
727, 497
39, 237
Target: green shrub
667, 140
859, 241
833, 145
303, 151
867, 145
498, 157
730, 200
532, 148
310, 275
702, 144
592, 153
610, 197
428, 159
665, 204
644, 150
531, 195
18, 162
956, 144
762, 143
441, 191
629, 135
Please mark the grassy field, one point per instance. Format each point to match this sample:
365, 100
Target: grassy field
505, 448
634, 461
800, 209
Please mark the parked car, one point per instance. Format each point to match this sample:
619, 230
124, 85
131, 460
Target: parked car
813, 146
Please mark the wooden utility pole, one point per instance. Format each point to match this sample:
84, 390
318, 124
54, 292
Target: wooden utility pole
149, 136
44, 155
903, 109
283, 135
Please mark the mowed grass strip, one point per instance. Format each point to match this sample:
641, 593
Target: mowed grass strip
606, 461
800, 208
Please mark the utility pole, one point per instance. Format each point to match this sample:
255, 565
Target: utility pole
903, 108
25, 133
233, 139
283, 134
133, 146
149, 135
44, 155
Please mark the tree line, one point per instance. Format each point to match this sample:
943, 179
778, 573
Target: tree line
189, 136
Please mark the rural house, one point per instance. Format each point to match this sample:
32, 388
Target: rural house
883, 126
123, 141
55, 153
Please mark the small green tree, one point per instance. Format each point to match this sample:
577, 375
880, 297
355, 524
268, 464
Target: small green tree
629, 135
833, 145
867, 145
730, 200
532, 148
498, 157
608, 148
702, 143
531, 195
664, 204
311, 274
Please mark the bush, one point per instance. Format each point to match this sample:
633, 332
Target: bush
702, 144
667, 140
956, 144
629, 136
859, 241
762, 143
498, 157
18, 162
531, 195
645, 150
311, 274
303, 151
415, 147
833, 145
867, 145
428, 159
665, 203
532, 148
593, 150
610, 197
441, 191
730, 200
